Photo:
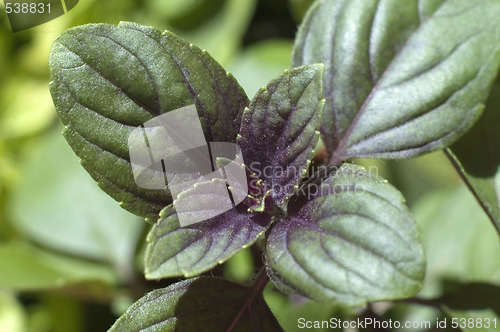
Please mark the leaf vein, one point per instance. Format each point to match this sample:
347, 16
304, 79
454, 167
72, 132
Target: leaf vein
339, 153
137, 102
146, 69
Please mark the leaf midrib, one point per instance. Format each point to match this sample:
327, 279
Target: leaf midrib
339, 153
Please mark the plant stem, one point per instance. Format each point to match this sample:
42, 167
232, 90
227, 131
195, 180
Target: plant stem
335, 159
463, 176
419, 301
256, 289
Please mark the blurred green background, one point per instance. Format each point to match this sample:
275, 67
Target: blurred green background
70, 257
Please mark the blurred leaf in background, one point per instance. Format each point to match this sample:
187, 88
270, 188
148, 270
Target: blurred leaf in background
477, 157
415, 177
58, 205
217, 26
460, 242
290, 309
299, 8
12, 316
260, 62
29, 268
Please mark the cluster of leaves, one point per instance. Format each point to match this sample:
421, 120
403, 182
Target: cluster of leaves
71, 258
393, 87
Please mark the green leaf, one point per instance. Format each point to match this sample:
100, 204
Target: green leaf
188, 251
260, 62
108, 80
62, 313
240, 267
353, 242
59, 206
218, 26
298, 8
223, 32
459, 241
279, 129
27, 268
12, 315
476, 156
473, 296
23, 116
402, 78
199, 304
189, 16
289, 311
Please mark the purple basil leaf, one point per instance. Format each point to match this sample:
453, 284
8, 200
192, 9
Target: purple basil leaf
402, 78
199, 304
279, 130
188, 251
108, 80
353, 242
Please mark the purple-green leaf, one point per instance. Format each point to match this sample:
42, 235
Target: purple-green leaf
200, 304
353, 242
188, 251
402, 78
279, 129
107, 80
